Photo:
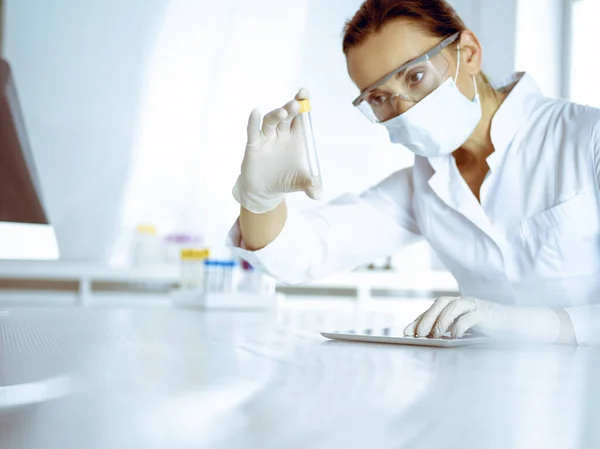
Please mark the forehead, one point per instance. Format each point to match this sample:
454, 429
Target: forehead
395, 44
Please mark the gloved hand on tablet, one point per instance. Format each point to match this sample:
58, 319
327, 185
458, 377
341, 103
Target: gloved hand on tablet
459, 314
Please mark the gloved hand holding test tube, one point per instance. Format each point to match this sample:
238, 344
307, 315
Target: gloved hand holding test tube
280, 157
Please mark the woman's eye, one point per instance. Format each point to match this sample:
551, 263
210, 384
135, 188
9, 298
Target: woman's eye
415, 77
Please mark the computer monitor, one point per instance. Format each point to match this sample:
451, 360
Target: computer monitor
25, 231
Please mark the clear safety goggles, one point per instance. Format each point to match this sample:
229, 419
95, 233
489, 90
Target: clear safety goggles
411, 82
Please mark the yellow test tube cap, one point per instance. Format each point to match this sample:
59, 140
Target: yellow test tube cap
304, 106
145, 229
195, 254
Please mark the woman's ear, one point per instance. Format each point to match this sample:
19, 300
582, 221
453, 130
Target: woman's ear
471, 53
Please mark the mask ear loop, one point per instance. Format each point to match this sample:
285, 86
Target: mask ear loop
457, 64
456, 74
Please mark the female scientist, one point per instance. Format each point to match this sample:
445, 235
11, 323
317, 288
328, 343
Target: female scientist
504, 186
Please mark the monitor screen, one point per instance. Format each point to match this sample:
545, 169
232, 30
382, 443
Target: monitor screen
25, 232
19, 186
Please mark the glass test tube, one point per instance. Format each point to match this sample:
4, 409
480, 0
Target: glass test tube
309, 142
220, 276
228, 276
219, 272
210, 276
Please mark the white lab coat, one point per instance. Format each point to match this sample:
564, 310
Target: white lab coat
533, 240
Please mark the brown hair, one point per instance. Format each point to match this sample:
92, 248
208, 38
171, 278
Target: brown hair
436, 17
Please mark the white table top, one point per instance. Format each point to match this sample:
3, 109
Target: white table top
157, 378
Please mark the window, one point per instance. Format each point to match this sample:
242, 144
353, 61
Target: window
585, 53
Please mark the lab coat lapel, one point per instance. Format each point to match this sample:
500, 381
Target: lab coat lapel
451, 188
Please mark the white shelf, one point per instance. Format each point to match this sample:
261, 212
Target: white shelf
69, 271
86, 275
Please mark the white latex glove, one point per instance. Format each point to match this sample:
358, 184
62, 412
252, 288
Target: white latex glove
275, 160
459, 314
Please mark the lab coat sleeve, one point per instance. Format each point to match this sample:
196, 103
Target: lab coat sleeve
586, 319
348, 232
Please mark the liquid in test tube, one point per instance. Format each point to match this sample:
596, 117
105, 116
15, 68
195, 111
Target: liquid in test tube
309, 143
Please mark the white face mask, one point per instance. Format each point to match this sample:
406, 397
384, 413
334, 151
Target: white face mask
439, 124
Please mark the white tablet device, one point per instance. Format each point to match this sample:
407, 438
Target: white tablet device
396, 336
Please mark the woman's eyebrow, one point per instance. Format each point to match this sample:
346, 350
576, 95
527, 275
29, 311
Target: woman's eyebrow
399, 73
396, 76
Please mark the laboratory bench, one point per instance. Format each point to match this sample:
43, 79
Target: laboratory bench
162, 377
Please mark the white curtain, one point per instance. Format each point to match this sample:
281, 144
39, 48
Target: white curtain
212, 62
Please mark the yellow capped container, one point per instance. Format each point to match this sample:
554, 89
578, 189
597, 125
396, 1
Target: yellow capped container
145, 229
309, 143
146, 249
192, 268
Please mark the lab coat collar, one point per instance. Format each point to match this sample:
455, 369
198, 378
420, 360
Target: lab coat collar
511, 114
451, 188
505, 123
